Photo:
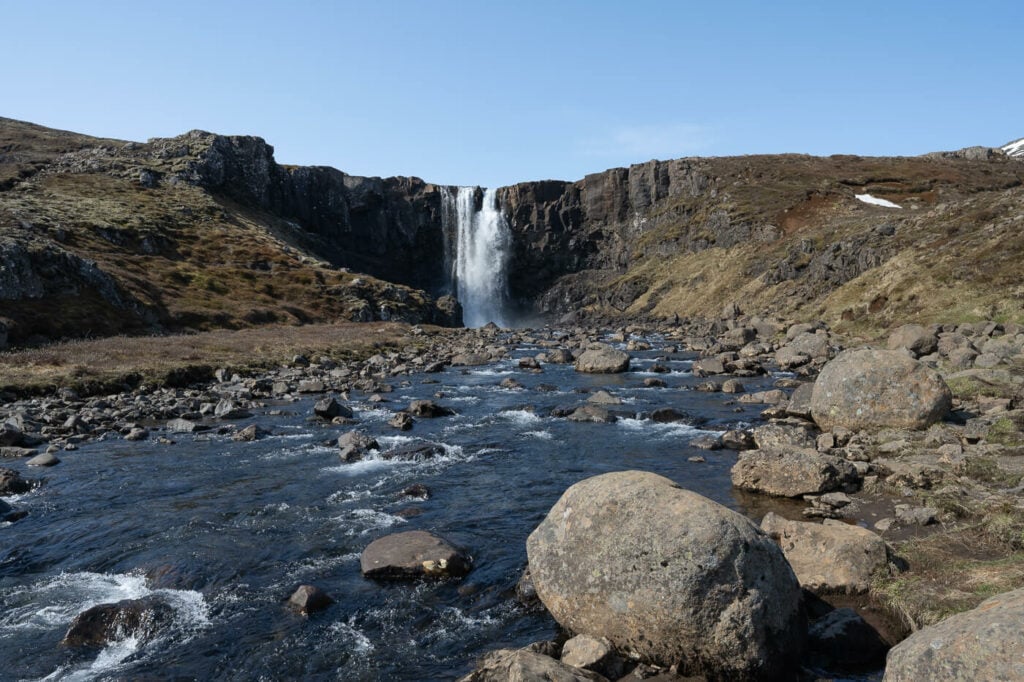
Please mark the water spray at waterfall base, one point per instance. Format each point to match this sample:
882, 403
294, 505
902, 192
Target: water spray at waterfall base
479, 267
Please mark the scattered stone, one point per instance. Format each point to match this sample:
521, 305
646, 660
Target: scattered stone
654, 382
401, 421
829, 557
309, 599
593, 653
413, 554
604, 398
778, 435
984, 643
914, 338
227, 409
311, 386
592, 413
47, 459
416, 491
738, 439
137, 434
916, 516
182, 425
529, 364
250, 433
602, 360
681, 580
12, 452
799, 404
872, 389
772, 397
510, 383
329, 408
707, 367
732, 386
669, 415
792, 472
428, 409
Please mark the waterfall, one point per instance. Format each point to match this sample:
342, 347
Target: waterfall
477, 253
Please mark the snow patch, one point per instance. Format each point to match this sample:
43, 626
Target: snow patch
875, 201
1014, 148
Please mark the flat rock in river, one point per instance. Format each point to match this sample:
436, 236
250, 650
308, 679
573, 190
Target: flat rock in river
413, 554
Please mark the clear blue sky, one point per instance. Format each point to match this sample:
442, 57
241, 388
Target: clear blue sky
493, 93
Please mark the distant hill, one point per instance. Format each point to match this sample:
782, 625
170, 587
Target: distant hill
205, 231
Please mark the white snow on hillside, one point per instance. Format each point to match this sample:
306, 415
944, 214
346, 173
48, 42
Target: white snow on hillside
1015, 148
868, 199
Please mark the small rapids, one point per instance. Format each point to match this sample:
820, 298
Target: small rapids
224, 531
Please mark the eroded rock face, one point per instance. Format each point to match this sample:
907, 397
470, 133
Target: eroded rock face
982, 644
669, 576
413, 554
873, 389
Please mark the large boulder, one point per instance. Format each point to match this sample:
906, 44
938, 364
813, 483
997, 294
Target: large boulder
831, 557
985, 643
792, 472
872, 389
668, 576
413, 554
602, 360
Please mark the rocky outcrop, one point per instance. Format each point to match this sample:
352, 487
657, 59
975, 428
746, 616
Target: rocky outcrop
668, 576
982, 644
873, 389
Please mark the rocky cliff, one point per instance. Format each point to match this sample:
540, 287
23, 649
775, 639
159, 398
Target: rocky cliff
202, 230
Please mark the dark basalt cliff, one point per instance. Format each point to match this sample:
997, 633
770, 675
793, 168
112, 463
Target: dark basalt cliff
202, 230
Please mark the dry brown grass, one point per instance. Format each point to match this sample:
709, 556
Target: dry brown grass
94, 364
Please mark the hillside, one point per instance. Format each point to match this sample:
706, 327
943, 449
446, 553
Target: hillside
204, 231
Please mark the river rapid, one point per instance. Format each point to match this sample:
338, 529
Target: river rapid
224, 531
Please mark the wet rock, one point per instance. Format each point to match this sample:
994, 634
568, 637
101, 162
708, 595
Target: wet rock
469, 359
137, 434
98, 626
984, 643
602, 360
593, 653
792, 472
46, 459
831, 557
182, 425
355, 444
227, 409
592, 413
872, 389
732, 386
521, 665
668, 415
668, 576
414, 451
772, 397
413, 554
309, 599
800, 401
738, 439
842, 640
526, 592
510, 383
329, 408
416, 491
401, 421
250, 433
654, 382
13, 452
428, 409
604, 398
707, 367
530, 364
558, 356
705, 442
11, 482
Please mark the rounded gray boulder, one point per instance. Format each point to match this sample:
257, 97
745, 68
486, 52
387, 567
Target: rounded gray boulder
602, 360
982, 644
668, 576
872, 389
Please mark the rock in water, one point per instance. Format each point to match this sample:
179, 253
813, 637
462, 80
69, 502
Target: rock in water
413, 554
522, 665
101, 624
669, 576
985, 643
872, 389
603, 360
309, 599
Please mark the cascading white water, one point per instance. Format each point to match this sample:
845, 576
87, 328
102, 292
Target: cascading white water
479, 266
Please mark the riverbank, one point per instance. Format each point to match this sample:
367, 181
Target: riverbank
944, 498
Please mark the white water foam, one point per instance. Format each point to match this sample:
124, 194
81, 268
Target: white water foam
657, 430
540, 435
